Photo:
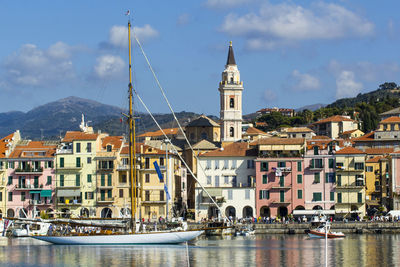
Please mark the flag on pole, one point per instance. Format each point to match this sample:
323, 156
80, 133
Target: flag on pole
128, 12
166, 192
160, 176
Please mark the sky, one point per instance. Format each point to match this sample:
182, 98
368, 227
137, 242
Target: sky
289, 53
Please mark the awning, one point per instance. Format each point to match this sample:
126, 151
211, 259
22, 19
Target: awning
313, 212
45, 193
68, 193
214, 192
34, 192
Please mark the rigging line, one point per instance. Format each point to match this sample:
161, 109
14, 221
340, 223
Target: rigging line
176, 151
172, 111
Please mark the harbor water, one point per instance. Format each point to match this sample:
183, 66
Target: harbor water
259, 250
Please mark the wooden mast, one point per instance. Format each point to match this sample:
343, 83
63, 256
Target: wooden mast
132, 137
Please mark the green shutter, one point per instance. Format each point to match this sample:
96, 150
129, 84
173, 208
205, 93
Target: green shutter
299, 194
331, 163
315, 150
86, 195
89, 178
299, 166
260, 195
78, 162
62, 162
312, 164
61, 180
282, 196
332, 196
359, 198
109, 180
316, 178
109, 194
78, 180
327, 177
339, 197
103, 180
339, 180
9, 180
265, 179
267, 194
281, 181
299, 178
48, 180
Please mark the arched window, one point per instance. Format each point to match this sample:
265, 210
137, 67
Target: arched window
231, 132
231, 79
231, 102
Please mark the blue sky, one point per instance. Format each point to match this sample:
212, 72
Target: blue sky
289, 53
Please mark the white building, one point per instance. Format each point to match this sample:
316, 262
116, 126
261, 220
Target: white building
228, 174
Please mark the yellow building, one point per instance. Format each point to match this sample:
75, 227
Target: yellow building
107, 177
152, 196
76, 174
350, 182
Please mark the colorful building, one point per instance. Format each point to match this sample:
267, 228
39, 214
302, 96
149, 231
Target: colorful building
279, 176
350, 182
31, 179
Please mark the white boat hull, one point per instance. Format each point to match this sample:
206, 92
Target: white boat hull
130, 239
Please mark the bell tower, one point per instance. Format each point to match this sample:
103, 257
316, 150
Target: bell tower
230, 91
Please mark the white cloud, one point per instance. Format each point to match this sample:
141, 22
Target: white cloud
225, 3
304, 81
32, 66
109, 66
269, 96
346, 86
287, 24
118, 35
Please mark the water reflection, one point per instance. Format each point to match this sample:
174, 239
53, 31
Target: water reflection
260, 250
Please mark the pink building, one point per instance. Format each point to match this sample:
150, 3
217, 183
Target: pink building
279, 186
319, 175
31, 179
394, 183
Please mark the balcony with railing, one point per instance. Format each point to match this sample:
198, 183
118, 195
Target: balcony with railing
29, 170
40, 202
21, 187
105, 199
69, 202
70, 166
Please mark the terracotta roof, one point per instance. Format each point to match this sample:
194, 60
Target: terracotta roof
320, 137
75, 135
146, 150
349, 150
34, 149
393, 119
203, 121
278, 141
204, 144
336, 118
254, 131
379, 151
297, 130
167, 131
366, 137
232, 150
3, 144
374, 159
115, 141
349, 132
261, 123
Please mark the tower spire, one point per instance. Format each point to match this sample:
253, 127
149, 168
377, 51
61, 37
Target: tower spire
231, 56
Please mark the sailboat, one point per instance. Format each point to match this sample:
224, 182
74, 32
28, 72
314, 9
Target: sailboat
161, 237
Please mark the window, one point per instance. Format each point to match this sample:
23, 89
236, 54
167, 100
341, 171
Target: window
109, 193
226, 164
248, 164
234, 181
78, 180
36, 181
299, 166
299, 194
1, 196
109, 180
316, 164
339, 197
208, 179
121, 193
339, 179
78, 148
281, 164
299, 178
230, 194
282, 196
89, 160
216, 164
331, 163
61, 180
316, 178
48, 180
10, 195
11, 165
332, 194
370, 168
282, 181
317, 196
216, 180
9, 180
358, 166
123, 180
161, 195
50, 164
264, 194
89, 147
102, 180
226, 179
61, 162
233, 164
147, 163
78, 162
162, 163
316, 150
264, 166
23, 196
89, 178
231, 132
339, 165
249, 180
231, 102
329, 177
147, 178
265, 179
247, 194
90, 195
208, 164
147, 195
109, 148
